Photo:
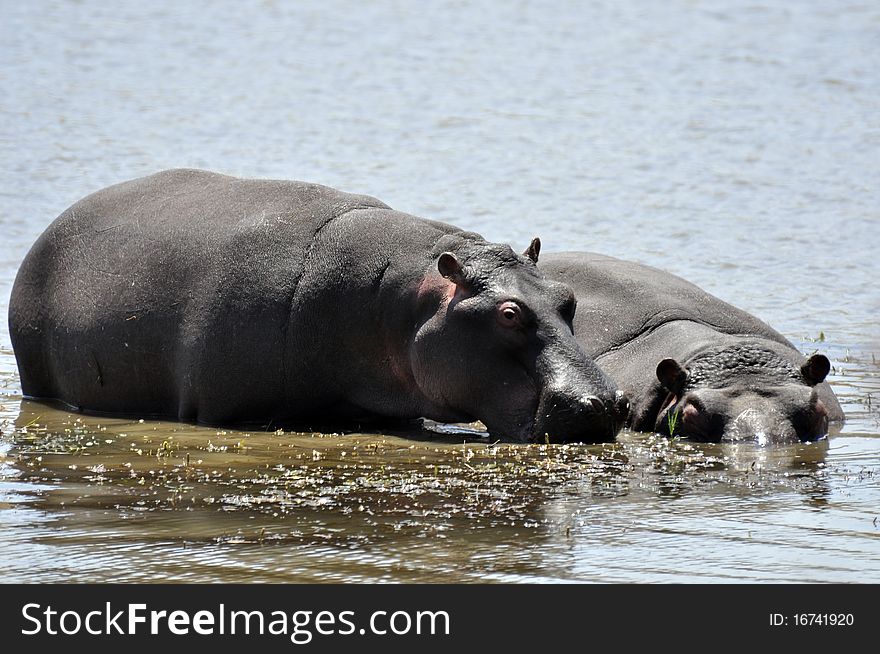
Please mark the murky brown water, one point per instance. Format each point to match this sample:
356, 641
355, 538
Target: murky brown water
732, 143
98, 499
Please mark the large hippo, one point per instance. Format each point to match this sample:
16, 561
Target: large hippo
692, 364
202, 297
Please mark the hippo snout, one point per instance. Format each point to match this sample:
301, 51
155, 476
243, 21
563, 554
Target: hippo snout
564, 417
761, 427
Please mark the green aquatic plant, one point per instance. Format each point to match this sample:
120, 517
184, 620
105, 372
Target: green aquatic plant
672, 421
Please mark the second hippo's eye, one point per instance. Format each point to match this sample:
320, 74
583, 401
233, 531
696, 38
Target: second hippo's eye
509, 314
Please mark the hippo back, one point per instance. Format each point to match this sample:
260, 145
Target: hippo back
629, 300
147, 269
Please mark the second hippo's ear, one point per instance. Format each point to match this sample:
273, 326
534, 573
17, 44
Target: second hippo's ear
815, 369
671, 375
533, 250
450, 267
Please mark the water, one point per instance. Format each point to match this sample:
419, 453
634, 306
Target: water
736, 144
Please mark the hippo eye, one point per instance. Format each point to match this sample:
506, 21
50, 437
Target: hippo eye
509, 314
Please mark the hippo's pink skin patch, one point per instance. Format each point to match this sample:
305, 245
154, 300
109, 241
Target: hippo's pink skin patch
671, 402
437, 286
399, 371
690, 413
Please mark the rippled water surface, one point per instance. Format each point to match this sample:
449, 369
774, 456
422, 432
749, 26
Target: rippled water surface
734, 143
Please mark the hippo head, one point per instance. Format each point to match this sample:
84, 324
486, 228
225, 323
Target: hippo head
745, 392
495, 343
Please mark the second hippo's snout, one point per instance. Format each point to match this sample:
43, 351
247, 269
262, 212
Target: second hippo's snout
565, 417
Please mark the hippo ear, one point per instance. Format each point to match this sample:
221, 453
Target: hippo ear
671, 375
815, 369
450, 267
533, 250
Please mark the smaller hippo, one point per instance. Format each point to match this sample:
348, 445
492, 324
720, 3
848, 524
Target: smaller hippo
692, 364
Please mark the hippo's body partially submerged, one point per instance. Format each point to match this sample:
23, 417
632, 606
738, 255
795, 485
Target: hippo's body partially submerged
692, 364
207, 298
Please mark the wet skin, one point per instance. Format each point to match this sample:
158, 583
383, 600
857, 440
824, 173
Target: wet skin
692, 364
206, 298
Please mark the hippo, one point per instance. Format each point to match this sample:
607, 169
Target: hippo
693, 365
200, 297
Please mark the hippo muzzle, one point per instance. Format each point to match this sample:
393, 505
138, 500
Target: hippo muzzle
565, 417
762, 428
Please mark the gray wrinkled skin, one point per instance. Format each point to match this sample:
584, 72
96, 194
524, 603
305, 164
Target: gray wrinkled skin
206, 298
692, 364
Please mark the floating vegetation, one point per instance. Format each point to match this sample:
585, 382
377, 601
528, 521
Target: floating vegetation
187, 486
376, 480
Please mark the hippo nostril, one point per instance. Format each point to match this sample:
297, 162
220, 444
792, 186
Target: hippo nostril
596, 403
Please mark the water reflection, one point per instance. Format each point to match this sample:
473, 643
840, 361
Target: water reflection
378, 481
677, 468
134, 491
